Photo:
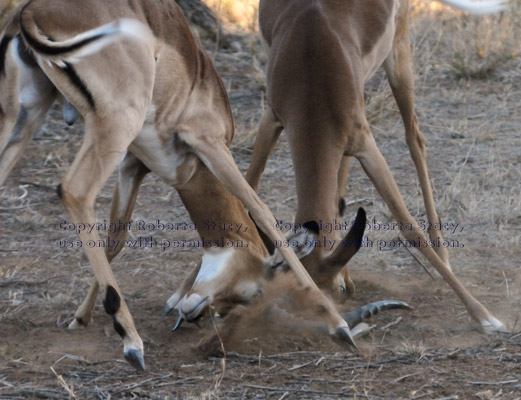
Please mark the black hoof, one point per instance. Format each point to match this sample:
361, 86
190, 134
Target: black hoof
167, 310
135, 358
343, 337
179, 322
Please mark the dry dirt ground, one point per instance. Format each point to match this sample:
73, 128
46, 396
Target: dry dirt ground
473, 132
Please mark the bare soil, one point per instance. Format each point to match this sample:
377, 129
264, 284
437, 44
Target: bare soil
473, 134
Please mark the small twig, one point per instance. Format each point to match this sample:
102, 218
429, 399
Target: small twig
356, 201
138, 384
395, 322
284, 396
68, 389
417, 260
223, 359
495, 383
401, 378
344, 394
300, 366
68, 356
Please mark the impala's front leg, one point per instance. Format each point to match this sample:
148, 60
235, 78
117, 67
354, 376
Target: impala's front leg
131, 172
343, 173
378, 171
269, 131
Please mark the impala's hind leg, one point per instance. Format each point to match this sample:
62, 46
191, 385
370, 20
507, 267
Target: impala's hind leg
378, 171
398, 68
131, 172
106, 142
26, 95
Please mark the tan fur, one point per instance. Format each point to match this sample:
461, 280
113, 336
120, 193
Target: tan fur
321, 52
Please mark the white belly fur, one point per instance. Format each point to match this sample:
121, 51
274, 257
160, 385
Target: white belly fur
164, 155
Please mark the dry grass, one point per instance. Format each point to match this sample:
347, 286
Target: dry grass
240, 14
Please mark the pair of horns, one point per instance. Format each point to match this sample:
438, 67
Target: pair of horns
344, 250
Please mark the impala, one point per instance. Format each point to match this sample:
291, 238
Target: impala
320, 54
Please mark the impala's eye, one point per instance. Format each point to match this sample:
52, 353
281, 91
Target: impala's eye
343, 289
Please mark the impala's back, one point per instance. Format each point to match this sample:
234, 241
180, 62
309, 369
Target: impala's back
324, 51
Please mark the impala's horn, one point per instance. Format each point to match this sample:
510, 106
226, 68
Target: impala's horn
348, 247
353, 318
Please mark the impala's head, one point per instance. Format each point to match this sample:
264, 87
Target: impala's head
328, 267
227, 277
237, 275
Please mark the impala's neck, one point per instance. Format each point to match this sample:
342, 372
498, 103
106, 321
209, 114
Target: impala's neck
218, 215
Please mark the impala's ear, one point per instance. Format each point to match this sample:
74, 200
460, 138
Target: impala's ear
302, 241
348, 247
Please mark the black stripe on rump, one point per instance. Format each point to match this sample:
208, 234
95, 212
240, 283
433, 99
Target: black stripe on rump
75, 79
4, 43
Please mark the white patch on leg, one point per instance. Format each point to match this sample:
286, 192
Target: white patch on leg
214, 263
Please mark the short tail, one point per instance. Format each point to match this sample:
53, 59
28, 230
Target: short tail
84, 44
478, 7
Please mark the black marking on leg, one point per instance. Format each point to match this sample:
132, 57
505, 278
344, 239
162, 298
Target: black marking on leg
341, 206
59, 191
119, 328
112, 301
312, 226
4, 44
81, 321
75, 79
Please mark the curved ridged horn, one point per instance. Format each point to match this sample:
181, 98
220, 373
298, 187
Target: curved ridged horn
352, 242
353, 318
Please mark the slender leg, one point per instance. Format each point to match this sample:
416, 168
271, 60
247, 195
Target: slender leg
343, 173
131, 172
398, 68
269, 132
378, 171
180, 293
12, 153
27, 123
104, 145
